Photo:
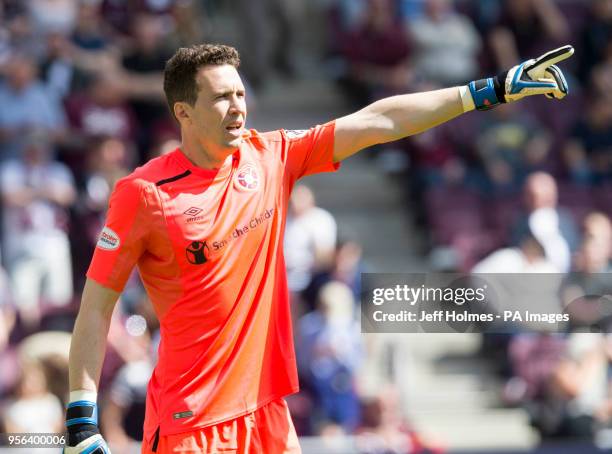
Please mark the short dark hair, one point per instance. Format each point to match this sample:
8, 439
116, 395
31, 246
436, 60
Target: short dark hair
180, 72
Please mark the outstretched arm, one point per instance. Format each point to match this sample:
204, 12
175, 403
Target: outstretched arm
394, 118
400, 116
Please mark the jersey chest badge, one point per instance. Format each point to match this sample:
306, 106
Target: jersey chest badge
247, 178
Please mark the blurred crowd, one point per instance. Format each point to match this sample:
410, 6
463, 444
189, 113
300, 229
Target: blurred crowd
526, 187
468, 180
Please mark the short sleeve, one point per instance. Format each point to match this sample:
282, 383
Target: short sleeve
310, 151
123, 238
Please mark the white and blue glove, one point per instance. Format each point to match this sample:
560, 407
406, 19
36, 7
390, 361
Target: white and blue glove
82, 425
538, 76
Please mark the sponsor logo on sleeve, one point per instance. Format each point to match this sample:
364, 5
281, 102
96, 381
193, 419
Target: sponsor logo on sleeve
295, 133
108, 240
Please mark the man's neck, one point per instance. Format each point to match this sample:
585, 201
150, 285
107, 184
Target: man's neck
201, 157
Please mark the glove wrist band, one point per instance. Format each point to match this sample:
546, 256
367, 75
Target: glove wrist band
82, 420
486, 93
81, 412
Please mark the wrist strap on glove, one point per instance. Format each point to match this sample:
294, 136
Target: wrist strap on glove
81, 412
82, 424
488, 93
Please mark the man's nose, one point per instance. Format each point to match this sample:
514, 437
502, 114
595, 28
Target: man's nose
237, 105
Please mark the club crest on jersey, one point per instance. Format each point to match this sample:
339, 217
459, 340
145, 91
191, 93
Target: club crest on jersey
247, 178
108, 240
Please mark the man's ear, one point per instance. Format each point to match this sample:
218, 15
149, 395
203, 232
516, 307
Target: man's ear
182, 112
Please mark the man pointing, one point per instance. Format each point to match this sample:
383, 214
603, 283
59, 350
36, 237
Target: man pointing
204, 225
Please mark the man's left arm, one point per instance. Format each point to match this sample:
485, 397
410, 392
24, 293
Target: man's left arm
394, 118
400, 116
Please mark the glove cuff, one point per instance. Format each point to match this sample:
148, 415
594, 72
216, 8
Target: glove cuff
487, 93
81, 412
81, 421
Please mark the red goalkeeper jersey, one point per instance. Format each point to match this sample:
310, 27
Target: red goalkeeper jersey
209, 249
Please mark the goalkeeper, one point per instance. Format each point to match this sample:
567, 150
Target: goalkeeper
204, 225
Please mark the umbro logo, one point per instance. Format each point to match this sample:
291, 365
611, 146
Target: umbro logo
193, 211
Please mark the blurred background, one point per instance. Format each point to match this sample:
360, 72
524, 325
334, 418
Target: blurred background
526, 187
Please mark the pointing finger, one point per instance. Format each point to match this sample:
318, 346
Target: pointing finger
550, 58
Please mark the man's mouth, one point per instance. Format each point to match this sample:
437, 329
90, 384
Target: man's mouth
234, 126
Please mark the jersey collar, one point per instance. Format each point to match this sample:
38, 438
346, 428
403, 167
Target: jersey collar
226, 168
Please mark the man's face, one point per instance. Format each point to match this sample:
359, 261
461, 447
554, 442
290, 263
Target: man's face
21, 72
219, 113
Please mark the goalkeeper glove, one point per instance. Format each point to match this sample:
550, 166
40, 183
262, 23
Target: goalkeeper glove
82, 425
540, 76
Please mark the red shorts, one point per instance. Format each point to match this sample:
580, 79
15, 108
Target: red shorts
268, 430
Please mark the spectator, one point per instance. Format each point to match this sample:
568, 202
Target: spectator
56, 69
347, 266
8, 357
443, 157
26, 105
528, 257
377, 52
595, 37
58, 16
330, 354
33, 408
597, 227
36, 192
552, 225
446, 45
146, 58
90, 32
310, 238
101, 111
587, 151
119, 14
191, 24
601, 75
526, 28
22, 36
596, 250
272, 22
533, 358
108, 161
578, 391
511, 145
125, 408
384, 430
584, 289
